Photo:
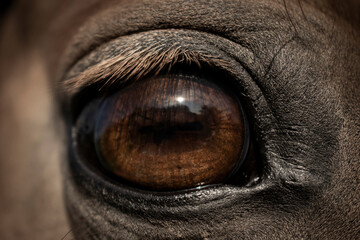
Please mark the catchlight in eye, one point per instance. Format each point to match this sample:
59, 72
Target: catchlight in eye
171, 132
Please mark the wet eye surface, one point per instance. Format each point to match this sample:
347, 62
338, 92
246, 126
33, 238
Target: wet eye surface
168, 132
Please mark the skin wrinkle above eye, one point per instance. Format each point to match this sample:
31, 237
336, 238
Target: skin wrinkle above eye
244, 27
94, 32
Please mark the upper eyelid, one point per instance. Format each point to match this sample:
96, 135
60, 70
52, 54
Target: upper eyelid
135, 64
135, 56
114, 20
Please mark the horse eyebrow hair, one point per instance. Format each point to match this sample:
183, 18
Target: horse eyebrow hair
134, 64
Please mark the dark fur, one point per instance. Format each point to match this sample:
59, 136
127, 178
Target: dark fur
298, 68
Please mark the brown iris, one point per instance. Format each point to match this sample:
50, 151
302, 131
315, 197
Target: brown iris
169, 133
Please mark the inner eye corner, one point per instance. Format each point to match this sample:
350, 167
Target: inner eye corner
159, 133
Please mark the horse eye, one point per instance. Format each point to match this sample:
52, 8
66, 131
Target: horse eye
168, 132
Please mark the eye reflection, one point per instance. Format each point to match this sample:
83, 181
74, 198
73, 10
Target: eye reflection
170, 133
180, 99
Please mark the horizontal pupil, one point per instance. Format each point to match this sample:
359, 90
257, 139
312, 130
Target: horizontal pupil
170, 133
169, 128
164, 131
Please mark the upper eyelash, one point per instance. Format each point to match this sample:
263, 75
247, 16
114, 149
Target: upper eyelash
138, 63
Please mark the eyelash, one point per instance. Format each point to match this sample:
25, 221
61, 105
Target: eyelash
103, 87
137, 64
